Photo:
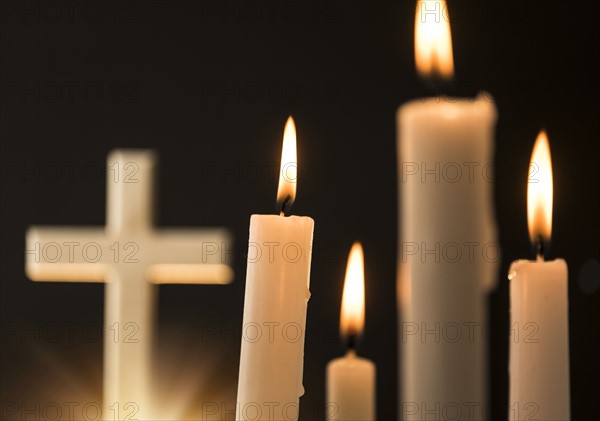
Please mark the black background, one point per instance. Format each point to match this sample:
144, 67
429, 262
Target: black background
209, 86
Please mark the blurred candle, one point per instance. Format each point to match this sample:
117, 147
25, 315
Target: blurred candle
351, 379
277, 282
539, 360
448, 250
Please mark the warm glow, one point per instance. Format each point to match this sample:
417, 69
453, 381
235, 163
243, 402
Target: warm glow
539, 191
216, 273
352, 317
433, 42
288, 174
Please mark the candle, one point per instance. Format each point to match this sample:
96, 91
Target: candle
277, 282
351, 379
539, 351
448, 252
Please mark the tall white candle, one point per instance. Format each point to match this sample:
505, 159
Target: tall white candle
277, 293
448, 252
351, 379
539, 348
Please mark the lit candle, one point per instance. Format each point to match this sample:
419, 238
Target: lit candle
448, 251
539, 361
277, 282
351, 379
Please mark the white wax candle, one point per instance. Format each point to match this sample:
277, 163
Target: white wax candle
351, 379
277, 293
277, 282
539, 347
448, 244
448, 251
350, 389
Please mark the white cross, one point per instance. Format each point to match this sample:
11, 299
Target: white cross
130, 256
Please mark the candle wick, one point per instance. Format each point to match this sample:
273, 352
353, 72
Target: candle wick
351, 342
439, 86
540, 249
283, 204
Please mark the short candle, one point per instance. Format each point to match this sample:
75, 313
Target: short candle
351, 379
539, 365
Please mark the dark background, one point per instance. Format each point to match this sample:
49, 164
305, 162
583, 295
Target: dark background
209, 86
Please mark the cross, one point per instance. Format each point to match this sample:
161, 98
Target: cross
130, 256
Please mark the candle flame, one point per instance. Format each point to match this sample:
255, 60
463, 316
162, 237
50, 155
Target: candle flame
352, 317
433, 42
539, 191
288, 174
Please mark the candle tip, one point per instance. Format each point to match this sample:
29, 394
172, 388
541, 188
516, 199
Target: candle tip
540, 191
351, 342
433, 40
288, 175
352, 317
540, 248
284, 205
